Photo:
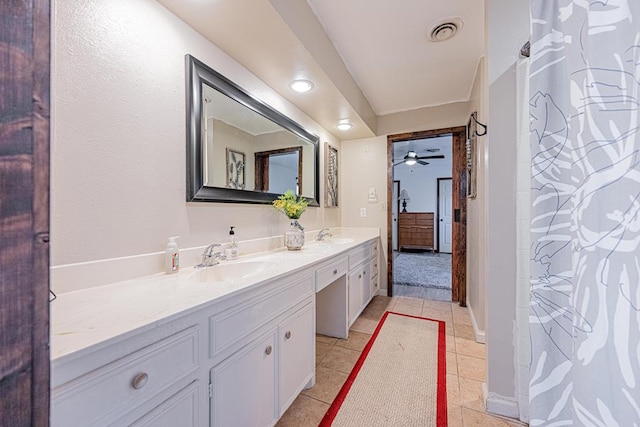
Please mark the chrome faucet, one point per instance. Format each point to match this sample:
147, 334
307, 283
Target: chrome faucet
210, 257
322, 234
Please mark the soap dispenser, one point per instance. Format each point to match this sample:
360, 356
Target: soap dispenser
232, 251
172, 256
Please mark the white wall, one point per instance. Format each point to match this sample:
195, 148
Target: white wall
508, 30
421, 182
118, 139
476, 227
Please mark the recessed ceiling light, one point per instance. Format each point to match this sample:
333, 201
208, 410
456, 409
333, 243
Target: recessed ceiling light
344, 125
301, 85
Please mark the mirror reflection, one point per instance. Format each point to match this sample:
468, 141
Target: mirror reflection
246, 151
240, 149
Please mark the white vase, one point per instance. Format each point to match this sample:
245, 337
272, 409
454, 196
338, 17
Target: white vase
294, 237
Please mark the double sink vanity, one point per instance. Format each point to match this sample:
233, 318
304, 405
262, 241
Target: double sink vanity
227, 345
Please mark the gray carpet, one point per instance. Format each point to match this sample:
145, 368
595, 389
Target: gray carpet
422, 275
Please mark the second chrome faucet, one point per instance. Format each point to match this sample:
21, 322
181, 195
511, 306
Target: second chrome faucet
210, 256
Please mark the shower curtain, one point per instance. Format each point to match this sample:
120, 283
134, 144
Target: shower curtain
585, 221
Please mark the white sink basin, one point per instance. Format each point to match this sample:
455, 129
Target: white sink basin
328, 244
231, 272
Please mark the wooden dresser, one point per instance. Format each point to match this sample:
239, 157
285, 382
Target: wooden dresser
415, 230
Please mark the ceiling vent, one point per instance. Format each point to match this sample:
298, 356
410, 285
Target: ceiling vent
444, 29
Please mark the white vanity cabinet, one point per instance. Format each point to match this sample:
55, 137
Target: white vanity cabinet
274, 335
362, 279
156, 382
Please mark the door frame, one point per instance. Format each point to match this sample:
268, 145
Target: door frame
459, 178
397, 185
438, 207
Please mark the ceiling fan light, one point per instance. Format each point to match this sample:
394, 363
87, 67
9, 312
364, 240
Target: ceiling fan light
410, 161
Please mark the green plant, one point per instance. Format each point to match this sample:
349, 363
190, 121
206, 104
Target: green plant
291, 205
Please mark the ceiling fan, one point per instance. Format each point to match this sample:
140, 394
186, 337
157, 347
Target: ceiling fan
411, 158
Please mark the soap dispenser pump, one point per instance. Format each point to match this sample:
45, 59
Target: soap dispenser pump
172, 256
232, 251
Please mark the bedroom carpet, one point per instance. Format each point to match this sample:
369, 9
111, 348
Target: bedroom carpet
422, 275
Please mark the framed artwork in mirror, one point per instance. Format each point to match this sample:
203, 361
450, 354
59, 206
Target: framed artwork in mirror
235, 169
331, 175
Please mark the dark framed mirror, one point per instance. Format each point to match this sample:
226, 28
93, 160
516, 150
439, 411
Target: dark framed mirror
228, 133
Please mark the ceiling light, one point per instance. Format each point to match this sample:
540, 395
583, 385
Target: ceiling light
344, 126
410, 161
301, 86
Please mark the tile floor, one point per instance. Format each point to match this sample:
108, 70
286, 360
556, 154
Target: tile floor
465, 364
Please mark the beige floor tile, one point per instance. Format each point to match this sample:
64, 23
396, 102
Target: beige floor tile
451, 343
373, 313
356, 341
452, 363
470, 347
437, 305
461, 317
449, 329
340, 359
472, 418
437, 315
322, 349
366, 326
454, 416
471, 367
453, 390
471, 394
328, 384
410, 301
464, 331
325, 339
303, 412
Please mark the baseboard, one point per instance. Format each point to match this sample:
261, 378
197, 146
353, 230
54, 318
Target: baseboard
479, 333
500, 405
382, 292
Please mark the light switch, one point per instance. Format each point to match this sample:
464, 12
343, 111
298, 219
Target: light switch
363, 212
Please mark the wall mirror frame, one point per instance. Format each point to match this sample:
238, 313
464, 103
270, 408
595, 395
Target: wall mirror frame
198, 190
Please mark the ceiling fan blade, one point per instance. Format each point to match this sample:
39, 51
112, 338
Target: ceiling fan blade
440, 156
399, 163
422, 163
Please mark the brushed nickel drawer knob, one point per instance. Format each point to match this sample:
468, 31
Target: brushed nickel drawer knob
268, 350
287, 335
140, 380
335, 272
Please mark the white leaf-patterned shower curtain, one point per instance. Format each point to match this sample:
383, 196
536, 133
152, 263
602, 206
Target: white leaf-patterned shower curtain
585, 218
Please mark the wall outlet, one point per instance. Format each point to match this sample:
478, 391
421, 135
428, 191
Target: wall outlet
363, 212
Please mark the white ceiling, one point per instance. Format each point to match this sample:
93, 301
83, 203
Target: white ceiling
375, 60
384, 45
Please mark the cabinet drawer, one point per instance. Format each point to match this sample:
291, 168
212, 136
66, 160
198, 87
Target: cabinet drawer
97, 397
327, 274
373, 267
234, 325
359, 255
180, 409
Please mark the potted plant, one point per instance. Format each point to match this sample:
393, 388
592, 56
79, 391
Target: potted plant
292, 206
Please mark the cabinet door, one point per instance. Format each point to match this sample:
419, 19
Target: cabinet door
296, 351
244, 386
366, 285
355, 294
179, 410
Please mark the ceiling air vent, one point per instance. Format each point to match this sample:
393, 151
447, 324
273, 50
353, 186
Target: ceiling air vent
444, 29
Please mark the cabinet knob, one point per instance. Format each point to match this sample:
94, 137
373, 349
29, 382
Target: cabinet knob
140, 380
287, 335
335, 272
359, 276
268, 350
364, 273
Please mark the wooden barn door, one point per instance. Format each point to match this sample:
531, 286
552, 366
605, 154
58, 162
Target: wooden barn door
24, 212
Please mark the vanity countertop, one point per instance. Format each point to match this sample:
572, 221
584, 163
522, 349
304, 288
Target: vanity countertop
82, 321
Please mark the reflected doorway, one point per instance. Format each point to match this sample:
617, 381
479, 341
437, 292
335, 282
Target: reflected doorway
279, 170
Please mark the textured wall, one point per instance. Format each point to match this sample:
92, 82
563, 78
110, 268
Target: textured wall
118, 143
